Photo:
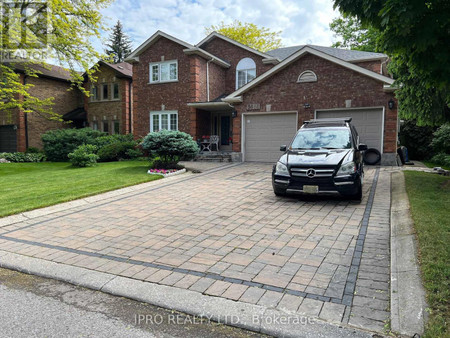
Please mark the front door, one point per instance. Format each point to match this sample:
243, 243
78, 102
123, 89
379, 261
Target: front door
225, 130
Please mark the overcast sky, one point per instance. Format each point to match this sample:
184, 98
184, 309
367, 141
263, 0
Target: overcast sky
301, 21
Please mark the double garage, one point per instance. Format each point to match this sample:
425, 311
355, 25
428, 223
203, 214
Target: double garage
263, 133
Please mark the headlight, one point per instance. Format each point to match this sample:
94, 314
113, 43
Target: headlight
347, 169
281, 169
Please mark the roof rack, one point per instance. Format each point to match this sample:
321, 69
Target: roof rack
340, 119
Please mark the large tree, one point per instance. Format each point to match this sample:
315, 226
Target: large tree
352, 34
416, 36
249, 34
55, 30
119, 44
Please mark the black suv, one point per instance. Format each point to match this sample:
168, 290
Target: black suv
324, 157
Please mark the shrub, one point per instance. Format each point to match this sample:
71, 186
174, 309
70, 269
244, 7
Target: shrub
417, 139
441, 159
441, 139
33, 150
59, 143
23, 157
118, 151
170, 147
102, 141
84, 156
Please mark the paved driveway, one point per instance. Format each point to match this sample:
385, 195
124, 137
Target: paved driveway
224, 233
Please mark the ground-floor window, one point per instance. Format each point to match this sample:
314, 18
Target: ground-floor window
160, 120
116, 127
106, 126
95, 125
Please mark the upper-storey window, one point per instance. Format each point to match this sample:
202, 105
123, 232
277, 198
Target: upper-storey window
166, 71
245, 72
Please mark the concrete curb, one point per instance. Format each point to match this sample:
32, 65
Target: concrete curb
247, 316
408, 303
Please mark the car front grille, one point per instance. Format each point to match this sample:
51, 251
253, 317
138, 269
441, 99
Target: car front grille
319, 172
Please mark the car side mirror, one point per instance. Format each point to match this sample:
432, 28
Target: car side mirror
362, 147
283, 148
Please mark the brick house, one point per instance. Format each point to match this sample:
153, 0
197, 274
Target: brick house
19, 131
109, 108
256, 101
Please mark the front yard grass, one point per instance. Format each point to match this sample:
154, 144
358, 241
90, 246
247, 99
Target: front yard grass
429, 196
27, 186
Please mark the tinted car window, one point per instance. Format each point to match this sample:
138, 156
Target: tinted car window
331, 138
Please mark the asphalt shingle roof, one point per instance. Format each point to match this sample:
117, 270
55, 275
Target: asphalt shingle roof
343, 54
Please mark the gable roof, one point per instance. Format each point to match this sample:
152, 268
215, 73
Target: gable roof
213, 35
190, 49
343, 54
123, 68
234, 97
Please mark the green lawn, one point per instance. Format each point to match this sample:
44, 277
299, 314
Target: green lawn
27, 186
429, 196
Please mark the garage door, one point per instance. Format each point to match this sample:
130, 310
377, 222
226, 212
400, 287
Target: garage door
8, 140
368, 123
265, 133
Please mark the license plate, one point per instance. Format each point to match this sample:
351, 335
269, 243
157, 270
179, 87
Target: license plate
311, 189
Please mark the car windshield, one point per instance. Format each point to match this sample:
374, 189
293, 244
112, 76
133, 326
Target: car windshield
325, 138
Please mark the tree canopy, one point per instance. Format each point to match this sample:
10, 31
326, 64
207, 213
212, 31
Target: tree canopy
249, 34
40, 31
354, 35
415, 34
119, 44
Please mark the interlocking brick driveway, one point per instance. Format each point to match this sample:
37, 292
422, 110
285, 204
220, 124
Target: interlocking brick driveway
224, 233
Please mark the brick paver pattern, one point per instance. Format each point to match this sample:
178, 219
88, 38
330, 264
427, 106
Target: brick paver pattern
224, 233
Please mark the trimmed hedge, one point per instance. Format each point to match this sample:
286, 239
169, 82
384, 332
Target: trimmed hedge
59, 143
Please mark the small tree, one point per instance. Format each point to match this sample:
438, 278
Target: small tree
170, 147
119, 44
249, 34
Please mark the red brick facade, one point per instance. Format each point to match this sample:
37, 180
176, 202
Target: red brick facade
335, 85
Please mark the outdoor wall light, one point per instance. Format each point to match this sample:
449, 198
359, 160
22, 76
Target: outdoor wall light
391, 104
306, 106
234, 113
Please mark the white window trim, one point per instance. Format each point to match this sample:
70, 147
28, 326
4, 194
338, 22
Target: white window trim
112, 92
92, 97
246, 76
159, 113
159, 71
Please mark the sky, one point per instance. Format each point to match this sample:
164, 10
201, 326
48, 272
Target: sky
300, 21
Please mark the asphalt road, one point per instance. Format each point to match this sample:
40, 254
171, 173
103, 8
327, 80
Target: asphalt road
32, 306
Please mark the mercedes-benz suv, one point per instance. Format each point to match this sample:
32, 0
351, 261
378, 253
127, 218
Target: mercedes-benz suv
324, 157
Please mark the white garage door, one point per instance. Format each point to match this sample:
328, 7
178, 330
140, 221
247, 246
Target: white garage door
368, 123
265, 133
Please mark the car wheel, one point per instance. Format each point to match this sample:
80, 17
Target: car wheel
358, 195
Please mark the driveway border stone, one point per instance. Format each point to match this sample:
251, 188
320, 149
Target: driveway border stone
408, 304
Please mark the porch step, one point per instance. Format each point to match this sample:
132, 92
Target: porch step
213, 157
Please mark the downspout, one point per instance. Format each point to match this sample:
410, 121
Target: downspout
130, 120
207, 78
26, 118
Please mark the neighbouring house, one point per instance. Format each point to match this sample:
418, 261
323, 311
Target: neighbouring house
109, 106
255, 101
20, 131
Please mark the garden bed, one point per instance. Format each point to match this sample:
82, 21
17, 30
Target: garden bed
166, 172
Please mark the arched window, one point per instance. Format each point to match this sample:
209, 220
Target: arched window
307, 76
245, 72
